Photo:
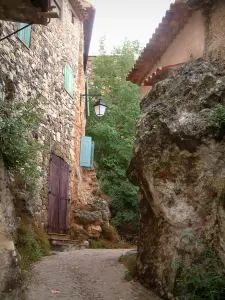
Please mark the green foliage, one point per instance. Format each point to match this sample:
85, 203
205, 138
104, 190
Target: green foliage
107, 244
32, 243
129, 261
201, 279
17, 146
114, 132
110, 233
97, 244
217, 120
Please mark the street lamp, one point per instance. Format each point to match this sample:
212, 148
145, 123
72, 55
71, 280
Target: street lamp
100, 108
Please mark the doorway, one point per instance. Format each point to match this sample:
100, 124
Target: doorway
58, 195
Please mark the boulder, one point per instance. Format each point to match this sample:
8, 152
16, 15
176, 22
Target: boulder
98, 204
179, 164
88, 217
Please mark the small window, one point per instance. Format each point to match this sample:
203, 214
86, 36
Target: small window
57, 6
25, 34
69, 79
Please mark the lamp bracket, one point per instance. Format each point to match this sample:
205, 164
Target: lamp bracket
89, 95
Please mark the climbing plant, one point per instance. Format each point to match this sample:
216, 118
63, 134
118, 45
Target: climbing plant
217, 120
114, 133
203, 276
18, 147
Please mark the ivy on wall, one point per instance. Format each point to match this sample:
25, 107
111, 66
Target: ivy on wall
18, 145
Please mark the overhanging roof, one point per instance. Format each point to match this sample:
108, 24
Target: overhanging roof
28, 11
88, 28
25, 11
171, 25
160, 74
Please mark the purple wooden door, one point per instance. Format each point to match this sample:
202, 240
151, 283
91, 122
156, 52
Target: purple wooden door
58, 195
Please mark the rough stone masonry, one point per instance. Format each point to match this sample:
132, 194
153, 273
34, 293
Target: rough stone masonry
38, 71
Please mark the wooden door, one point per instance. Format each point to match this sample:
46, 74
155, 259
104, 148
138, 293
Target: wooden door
58, 195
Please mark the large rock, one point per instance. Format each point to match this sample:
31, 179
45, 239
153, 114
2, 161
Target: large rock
94, 231
179, 165
88, 217
98, 204
91, 217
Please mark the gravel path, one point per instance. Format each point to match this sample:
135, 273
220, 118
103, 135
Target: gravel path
83, 275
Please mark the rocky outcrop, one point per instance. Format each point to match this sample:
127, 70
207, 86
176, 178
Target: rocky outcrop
179, 163
90, 219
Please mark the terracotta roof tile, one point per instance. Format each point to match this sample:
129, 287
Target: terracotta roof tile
159, 73
171, 24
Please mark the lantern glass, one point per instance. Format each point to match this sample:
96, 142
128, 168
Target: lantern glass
100, 108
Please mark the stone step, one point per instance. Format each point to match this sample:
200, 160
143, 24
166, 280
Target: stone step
58, 236
62, 244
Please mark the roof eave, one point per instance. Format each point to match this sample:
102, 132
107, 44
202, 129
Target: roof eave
175, 19
88, 28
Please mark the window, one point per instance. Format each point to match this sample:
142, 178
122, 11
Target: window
25, 34
57, 6
87, 153
69, 79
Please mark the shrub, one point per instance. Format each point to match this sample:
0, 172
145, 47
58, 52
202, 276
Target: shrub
129, 261
110, 233
202, 279
42, 238
32, 243
96, 192
217, 120
76, 232
18, 148
105, 244
97, 244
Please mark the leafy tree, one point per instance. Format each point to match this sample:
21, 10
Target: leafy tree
114, 132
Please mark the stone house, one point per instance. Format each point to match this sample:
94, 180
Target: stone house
189, 30
50, 62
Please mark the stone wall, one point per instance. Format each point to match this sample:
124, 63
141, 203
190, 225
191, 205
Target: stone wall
8, 222
38, 72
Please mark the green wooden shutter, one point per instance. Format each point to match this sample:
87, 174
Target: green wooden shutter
25, 34
86, 152
92, 155
87, 100
69, 79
